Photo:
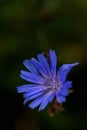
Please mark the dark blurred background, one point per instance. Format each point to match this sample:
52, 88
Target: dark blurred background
28, 27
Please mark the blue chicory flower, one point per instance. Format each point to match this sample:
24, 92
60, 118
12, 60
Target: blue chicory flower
45, 82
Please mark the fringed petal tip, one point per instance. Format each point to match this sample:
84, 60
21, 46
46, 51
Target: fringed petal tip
75, 64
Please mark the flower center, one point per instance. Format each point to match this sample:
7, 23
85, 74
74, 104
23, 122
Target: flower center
53, 85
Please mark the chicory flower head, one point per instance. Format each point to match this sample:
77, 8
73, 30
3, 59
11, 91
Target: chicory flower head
45, 81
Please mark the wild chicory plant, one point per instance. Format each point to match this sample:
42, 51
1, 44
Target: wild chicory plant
46, 83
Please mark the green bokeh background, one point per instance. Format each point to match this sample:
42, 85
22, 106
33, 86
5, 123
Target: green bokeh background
29, 27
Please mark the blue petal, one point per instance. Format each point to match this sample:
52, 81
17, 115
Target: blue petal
51, 98
31, 77
29, 65
39, 100
53, 62
23, 88
36, 102
46, 101
43, 104
28, 87
64, 70
33, 92
34, 95
60, 98
67, 84
39, 67
44, 62
64, 91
